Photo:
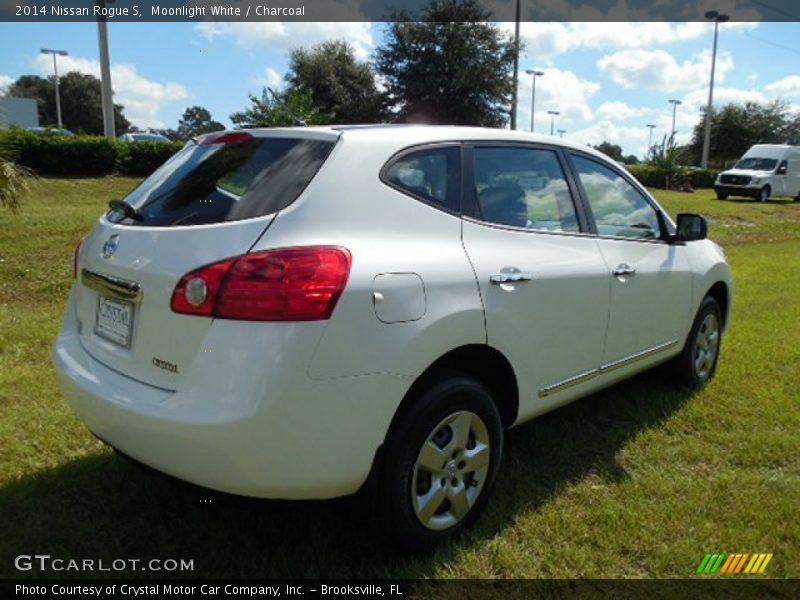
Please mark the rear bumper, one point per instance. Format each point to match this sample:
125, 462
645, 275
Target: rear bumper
737, 190
298, 438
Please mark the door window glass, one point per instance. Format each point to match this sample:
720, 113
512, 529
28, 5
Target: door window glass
619, 209
523, 187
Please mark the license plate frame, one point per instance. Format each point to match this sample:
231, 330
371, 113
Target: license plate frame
115, 322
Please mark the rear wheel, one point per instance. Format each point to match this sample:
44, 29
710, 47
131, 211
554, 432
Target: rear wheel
441, 463
763, 194
697, 363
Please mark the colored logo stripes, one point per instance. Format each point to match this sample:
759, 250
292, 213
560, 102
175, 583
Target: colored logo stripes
735, 563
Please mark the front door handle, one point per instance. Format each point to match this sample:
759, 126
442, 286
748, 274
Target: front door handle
509, 277
624, 270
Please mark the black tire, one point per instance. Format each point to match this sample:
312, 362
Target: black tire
685, 365
454, 396
763, 194
797, 198
722, 196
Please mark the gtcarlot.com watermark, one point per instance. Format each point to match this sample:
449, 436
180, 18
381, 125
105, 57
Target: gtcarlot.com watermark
46, 563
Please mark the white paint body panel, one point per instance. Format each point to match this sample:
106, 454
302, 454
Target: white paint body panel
298, 410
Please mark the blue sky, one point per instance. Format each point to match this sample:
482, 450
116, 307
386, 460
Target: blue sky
608, 80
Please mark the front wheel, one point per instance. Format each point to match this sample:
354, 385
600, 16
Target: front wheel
722, 196
763, 194
697, 363
441, 463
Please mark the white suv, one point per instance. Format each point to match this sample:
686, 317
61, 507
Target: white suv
310, 312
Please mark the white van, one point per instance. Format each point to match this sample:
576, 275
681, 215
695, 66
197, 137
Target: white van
765, 170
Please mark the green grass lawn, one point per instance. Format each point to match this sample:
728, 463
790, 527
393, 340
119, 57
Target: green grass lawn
640, 480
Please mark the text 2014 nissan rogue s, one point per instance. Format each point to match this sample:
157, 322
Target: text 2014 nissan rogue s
293, 313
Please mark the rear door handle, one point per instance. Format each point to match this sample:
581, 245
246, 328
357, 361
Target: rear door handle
624, 270
510, 277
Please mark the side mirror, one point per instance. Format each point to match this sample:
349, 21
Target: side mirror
691, 227
781, 170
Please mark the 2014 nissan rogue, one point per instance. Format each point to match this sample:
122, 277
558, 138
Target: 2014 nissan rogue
292, 313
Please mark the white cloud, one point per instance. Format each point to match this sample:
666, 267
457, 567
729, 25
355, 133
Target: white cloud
788, 86
557, 90
631, 139
142, 98
5, 83
619, 111
545, 40
270, 78
658, 70
286, 36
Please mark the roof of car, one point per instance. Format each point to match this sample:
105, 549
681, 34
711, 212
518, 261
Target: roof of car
410, 134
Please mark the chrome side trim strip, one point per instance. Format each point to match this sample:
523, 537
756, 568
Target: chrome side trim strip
624, 362
562, 385
107, 284
612, 366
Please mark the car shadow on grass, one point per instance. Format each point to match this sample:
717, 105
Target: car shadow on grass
105, 506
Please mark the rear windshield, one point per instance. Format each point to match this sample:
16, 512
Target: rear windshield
757, 164
227, 178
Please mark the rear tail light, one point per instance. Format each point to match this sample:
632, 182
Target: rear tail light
285, 284
75, 258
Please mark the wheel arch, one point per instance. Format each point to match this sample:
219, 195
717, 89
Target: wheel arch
483, 362
720, 292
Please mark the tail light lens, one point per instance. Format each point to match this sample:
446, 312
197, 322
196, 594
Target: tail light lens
75, 258
286, 284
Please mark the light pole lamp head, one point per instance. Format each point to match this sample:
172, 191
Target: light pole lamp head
676, 102
713, 15
534, 72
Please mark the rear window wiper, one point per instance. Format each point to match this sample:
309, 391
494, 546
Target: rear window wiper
129, 211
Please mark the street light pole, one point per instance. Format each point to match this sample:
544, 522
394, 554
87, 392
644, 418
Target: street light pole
675, 104
516, 71
552, 114
649, 141
56, 53
106, 93
561, 132
718, 18
535, 74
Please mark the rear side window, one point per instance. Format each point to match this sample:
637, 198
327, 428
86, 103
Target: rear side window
432, 175
523, 187
226, 177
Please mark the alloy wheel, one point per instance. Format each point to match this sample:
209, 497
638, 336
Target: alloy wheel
706, 347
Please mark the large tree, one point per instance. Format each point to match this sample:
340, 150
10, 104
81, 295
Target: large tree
342, 87
736, 127
81, 102
195, 121
291, 107
447, 65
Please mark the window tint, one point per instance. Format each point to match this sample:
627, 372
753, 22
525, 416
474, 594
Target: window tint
235, 176
619, 209
523, 187
432, 174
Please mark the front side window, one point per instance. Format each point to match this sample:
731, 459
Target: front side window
619, 209
430, 174
523, 187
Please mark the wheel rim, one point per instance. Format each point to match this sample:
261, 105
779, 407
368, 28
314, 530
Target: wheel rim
706, 347
450, 470
764, 195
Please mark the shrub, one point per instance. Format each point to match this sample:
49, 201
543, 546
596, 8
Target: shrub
142, 158
51, 154
61, 155
654, 176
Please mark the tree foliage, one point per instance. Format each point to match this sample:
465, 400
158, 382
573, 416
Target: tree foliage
195, 121
611, 150
341, 87
447, 65
81, 102
282, 109
736, 127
